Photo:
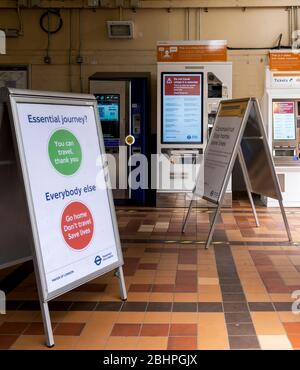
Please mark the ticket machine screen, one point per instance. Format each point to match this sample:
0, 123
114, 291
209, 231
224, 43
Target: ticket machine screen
284, 120
182, 108
109, 112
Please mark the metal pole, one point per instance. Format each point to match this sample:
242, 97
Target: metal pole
47, 324
286, 223
122, 286
188, 215
213, 225
247, 183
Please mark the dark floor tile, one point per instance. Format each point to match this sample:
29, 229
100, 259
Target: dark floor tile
155, 330
237, 317
109, 306
13, 305
210, 307
160, 306
261, 306
126, 330
6, 341
13, 328
234, 297
134, 306
69, 329
243, 342
231, 288
83, 306
229, 281
235, 307
60, 305
241, 329
185, 307
30, 306
283, 306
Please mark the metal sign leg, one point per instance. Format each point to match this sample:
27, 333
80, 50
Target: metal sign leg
47, 324
187, 215
122, 286
212, 227
248, 186
286, 223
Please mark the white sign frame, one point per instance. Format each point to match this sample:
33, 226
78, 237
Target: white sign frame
14, 97
237, 154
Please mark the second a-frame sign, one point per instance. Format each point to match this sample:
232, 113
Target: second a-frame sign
238, 134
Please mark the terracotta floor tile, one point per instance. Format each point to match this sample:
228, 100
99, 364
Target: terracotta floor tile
213, 341
267, 323
69, 329
101, 317
92, 342
37, 328
183, 330
286, 317
157, 317
185, 297
292, 327
122, 343
126, 330
6, 341
152, 343
161, 297
295, 340
184, 318
155, 330
182, 343
13, 328
138, 297
130, 317
77, 317
94, 329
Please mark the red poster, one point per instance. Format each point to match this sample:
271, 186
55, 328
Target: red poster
283, 107
182, 85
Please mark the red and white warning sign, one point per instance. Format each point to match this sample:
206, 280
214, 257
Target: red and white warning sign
182, 85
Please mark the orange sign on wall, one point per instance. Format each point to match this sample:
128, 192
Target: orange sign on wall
192, 51
285, 61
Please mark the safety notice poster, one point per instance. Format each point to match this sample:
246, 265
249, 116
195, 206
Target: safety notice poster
182, 108
68, 190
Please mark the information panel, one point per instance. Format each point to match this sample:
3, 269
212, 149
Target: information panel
71, 206
220, 148
284, 121
182, 108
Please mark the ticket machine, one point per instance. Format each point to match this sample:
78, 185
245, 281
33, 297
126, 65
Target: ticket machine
192, 78
281, 110
124, 109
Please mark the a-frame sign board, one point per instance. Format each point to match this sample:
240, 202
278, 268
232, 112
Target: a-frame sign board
52, 152
238, 134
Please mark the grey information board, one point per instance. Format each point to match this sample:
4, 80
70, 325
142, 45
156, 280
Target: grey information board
59, 149
238, 134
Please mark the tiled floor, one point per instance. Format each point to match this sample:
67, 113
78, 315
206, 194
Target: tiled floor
236, 295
